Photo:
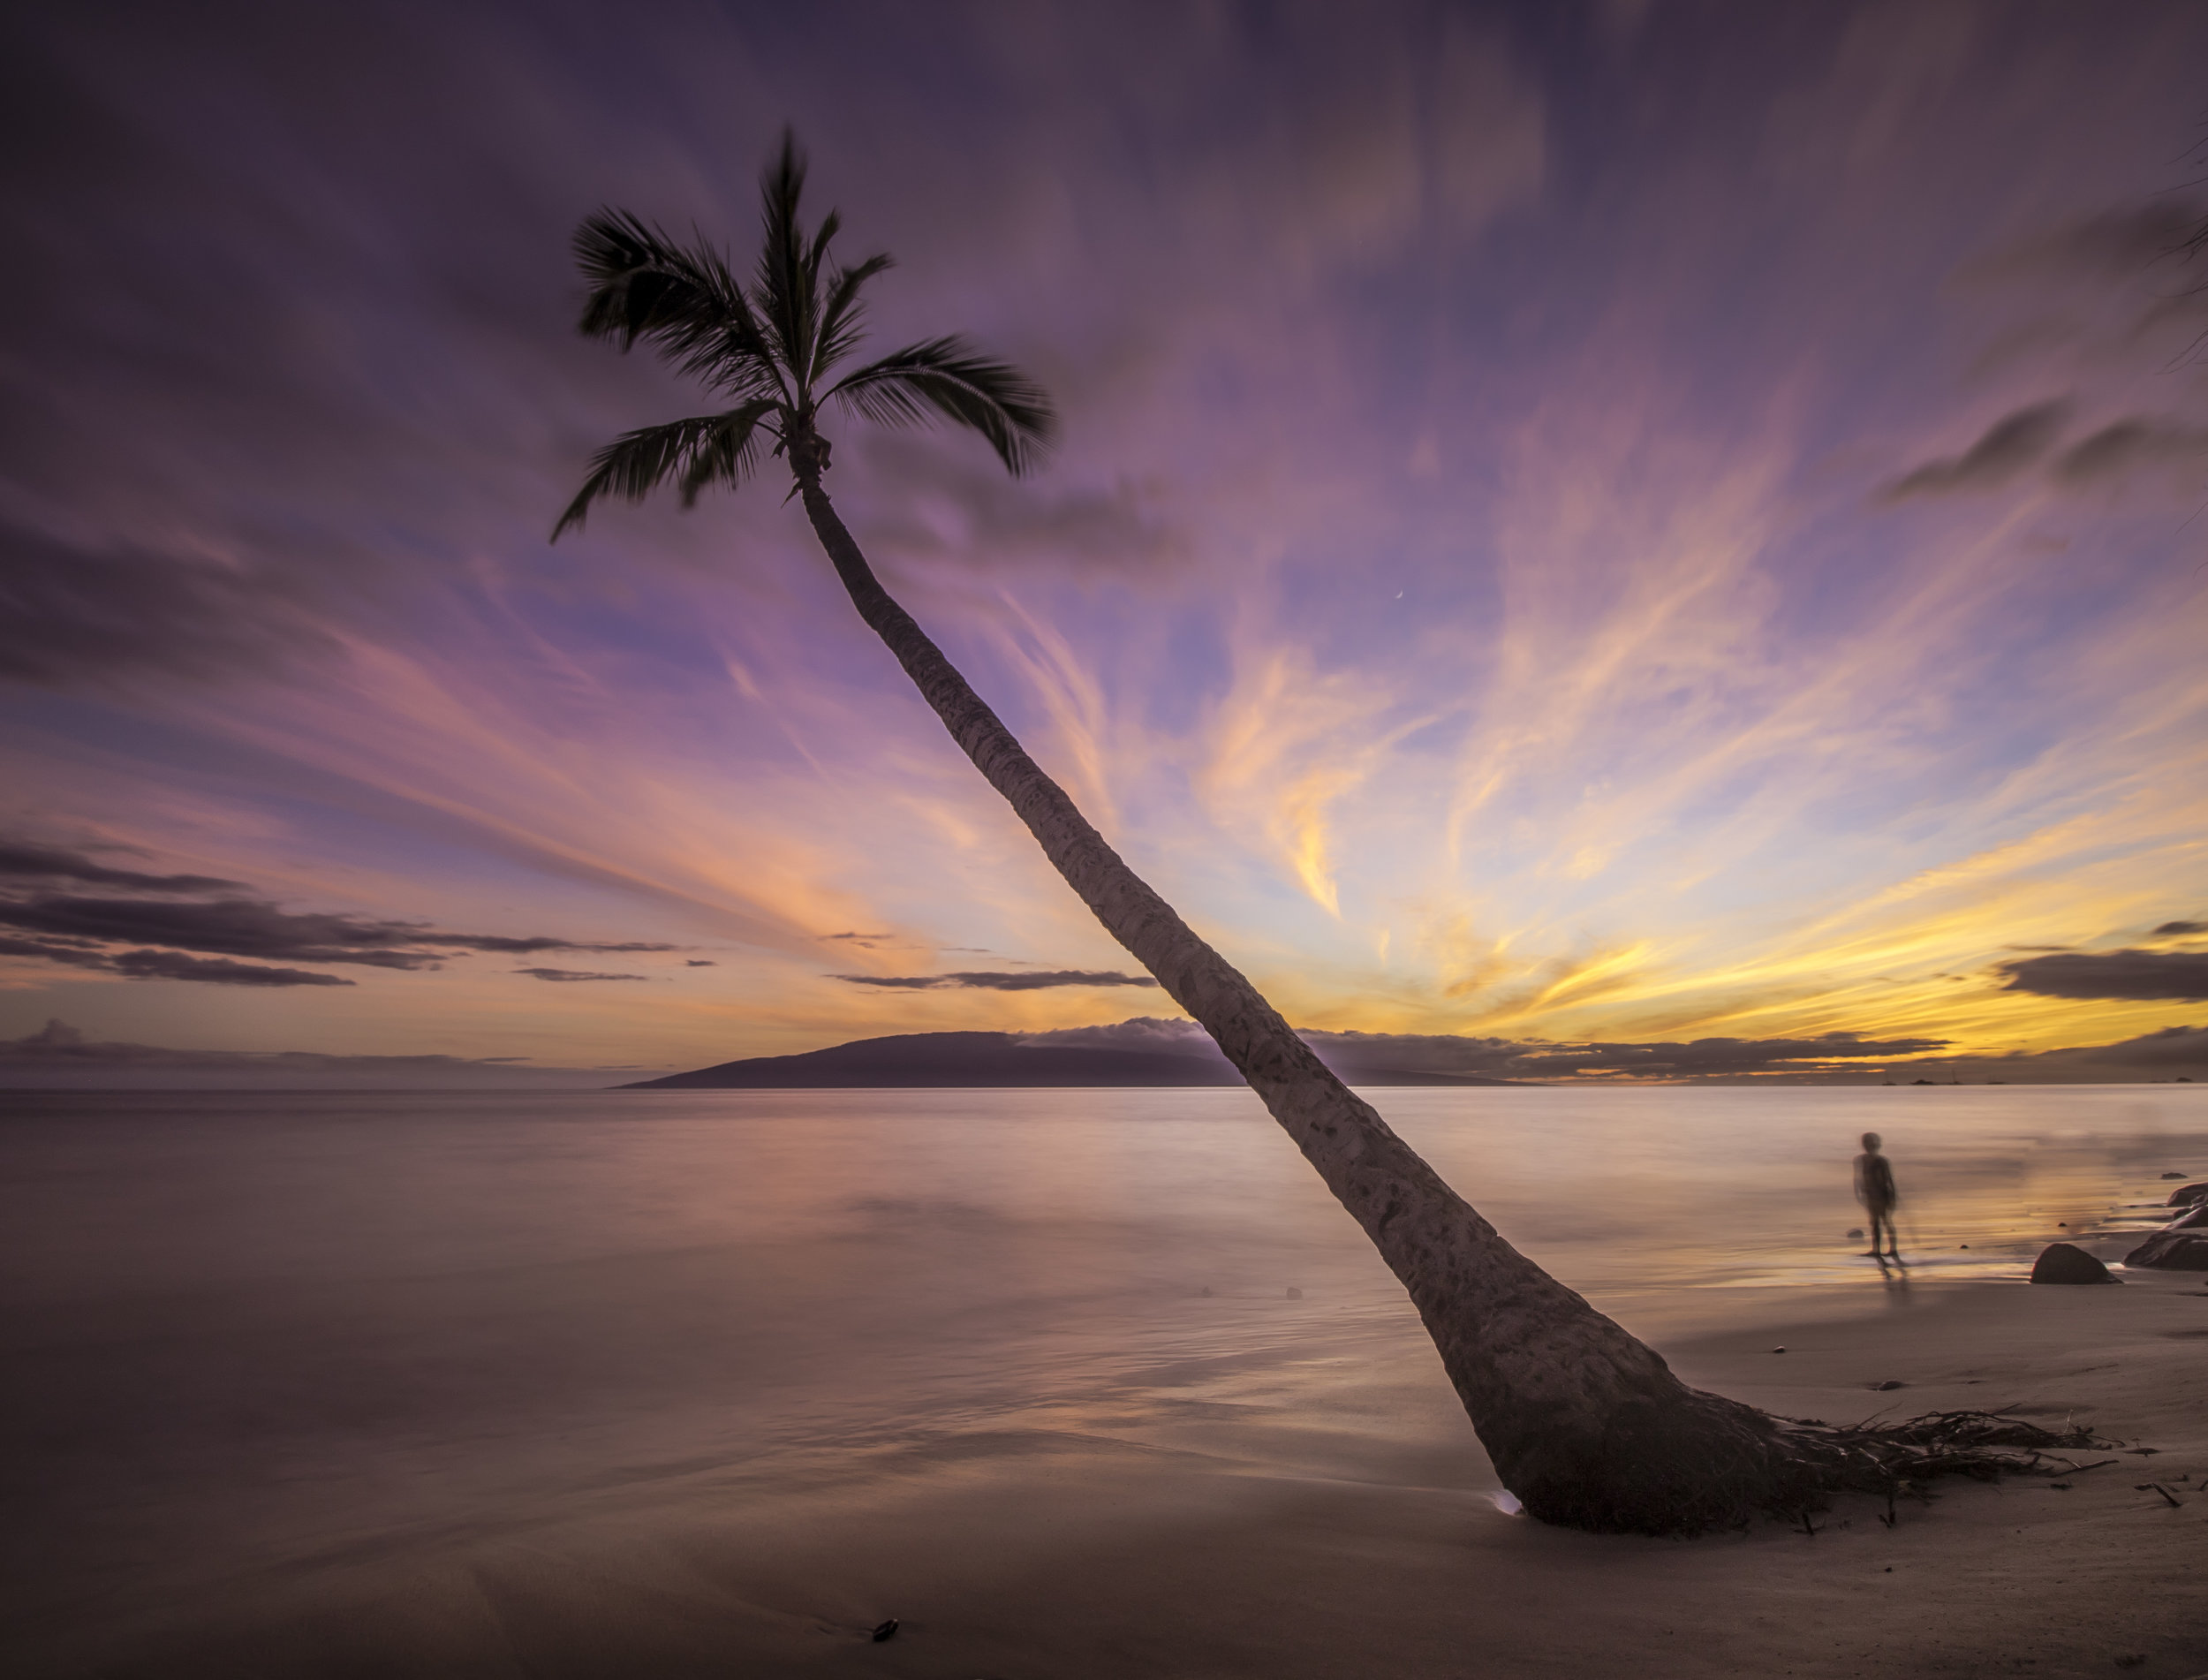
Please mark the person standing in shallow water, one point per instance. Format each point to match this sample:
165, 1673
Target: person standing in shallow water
1874, 1189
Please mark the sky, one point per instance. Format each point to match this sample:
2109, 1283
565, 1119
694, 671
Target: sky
1581, 531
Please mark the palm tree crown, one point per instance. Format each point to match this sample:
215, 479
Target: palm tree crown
773, 348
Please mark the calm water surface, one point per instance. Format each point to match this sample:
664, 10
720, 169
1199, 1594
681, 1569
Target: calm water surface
259, 1332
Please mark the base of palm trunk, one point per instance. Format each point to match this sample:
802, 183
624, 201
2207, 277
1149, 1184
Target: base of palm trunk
1691, 1463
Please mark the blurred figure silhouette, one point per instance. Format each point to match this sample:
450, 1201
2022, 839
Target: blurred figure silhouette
1874, 1189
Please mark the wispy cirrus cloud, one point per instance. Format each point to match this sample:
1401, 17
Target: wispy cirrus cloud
74, 617
2116, 245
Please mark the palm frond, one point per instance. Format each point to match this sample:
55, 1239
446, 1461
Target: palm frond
683, 301
729, 454
947, 378
783, 295
830, 225
843, 318
694, 453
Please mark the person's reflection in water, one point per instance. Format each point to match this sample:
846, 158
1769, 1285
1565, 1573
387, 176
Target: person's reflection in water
1875, 1190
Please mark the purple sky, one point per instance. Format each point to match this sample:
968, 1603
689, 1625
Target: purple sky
1618, 524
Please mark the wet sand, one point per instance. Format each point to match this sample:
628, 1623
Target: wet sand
1069, 1383
1267, 1515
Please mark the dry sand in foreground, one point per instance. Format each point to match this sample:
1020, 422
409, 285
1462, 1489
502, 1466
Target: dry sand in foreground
1213, 1534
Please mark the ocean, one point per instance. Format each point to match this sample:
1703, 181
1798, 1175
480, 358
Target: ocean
258, 1340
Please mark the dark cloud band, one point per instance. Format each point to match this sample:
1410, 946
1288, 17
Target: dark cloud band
2006, 448
2128, 445
163, 964
1041, 980
160, 916
169, 964
61, 1056
1356, 1055
2172, 1052
2115, 973
21, 860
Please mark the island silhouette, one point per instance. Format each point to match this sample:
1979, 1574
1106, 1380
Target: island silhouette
1002, 1060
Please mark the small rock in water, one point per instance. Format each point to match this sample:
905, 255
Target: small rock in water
887, 1630
1883, 1388
1962, 1244
1206, 1290
1295, 1295
1778, 1350
2062, 1263
2172, 1175
1856, 1235
2186, 1195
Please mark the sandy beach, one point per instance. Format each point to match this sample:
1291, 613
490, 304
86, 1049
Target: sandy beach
1207, 1532
1098, 1384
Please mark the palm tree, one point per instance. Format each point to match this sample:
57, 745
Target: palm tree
1585, 1425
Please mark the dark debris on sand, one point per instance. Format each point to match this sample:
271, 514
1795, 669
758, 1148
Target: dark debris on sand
1897, 1460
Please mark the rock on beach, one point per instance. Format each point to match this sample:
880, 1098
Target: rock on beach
2066, 1263
2173, 1251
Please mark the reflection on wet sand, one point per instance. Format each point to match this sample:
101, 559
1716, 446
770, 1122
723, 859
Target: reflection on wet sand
277, 1350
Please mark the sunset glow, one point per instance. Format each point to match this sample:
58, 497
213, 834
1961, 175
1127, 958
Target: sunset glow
1574, 524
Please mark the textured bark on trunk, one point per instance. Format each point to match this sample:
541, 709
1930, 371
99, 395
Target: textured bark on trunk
1586, 1426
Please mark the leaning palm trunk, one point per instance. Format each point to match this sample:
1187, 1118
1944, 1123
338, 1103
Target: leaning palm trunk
1586, 1426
